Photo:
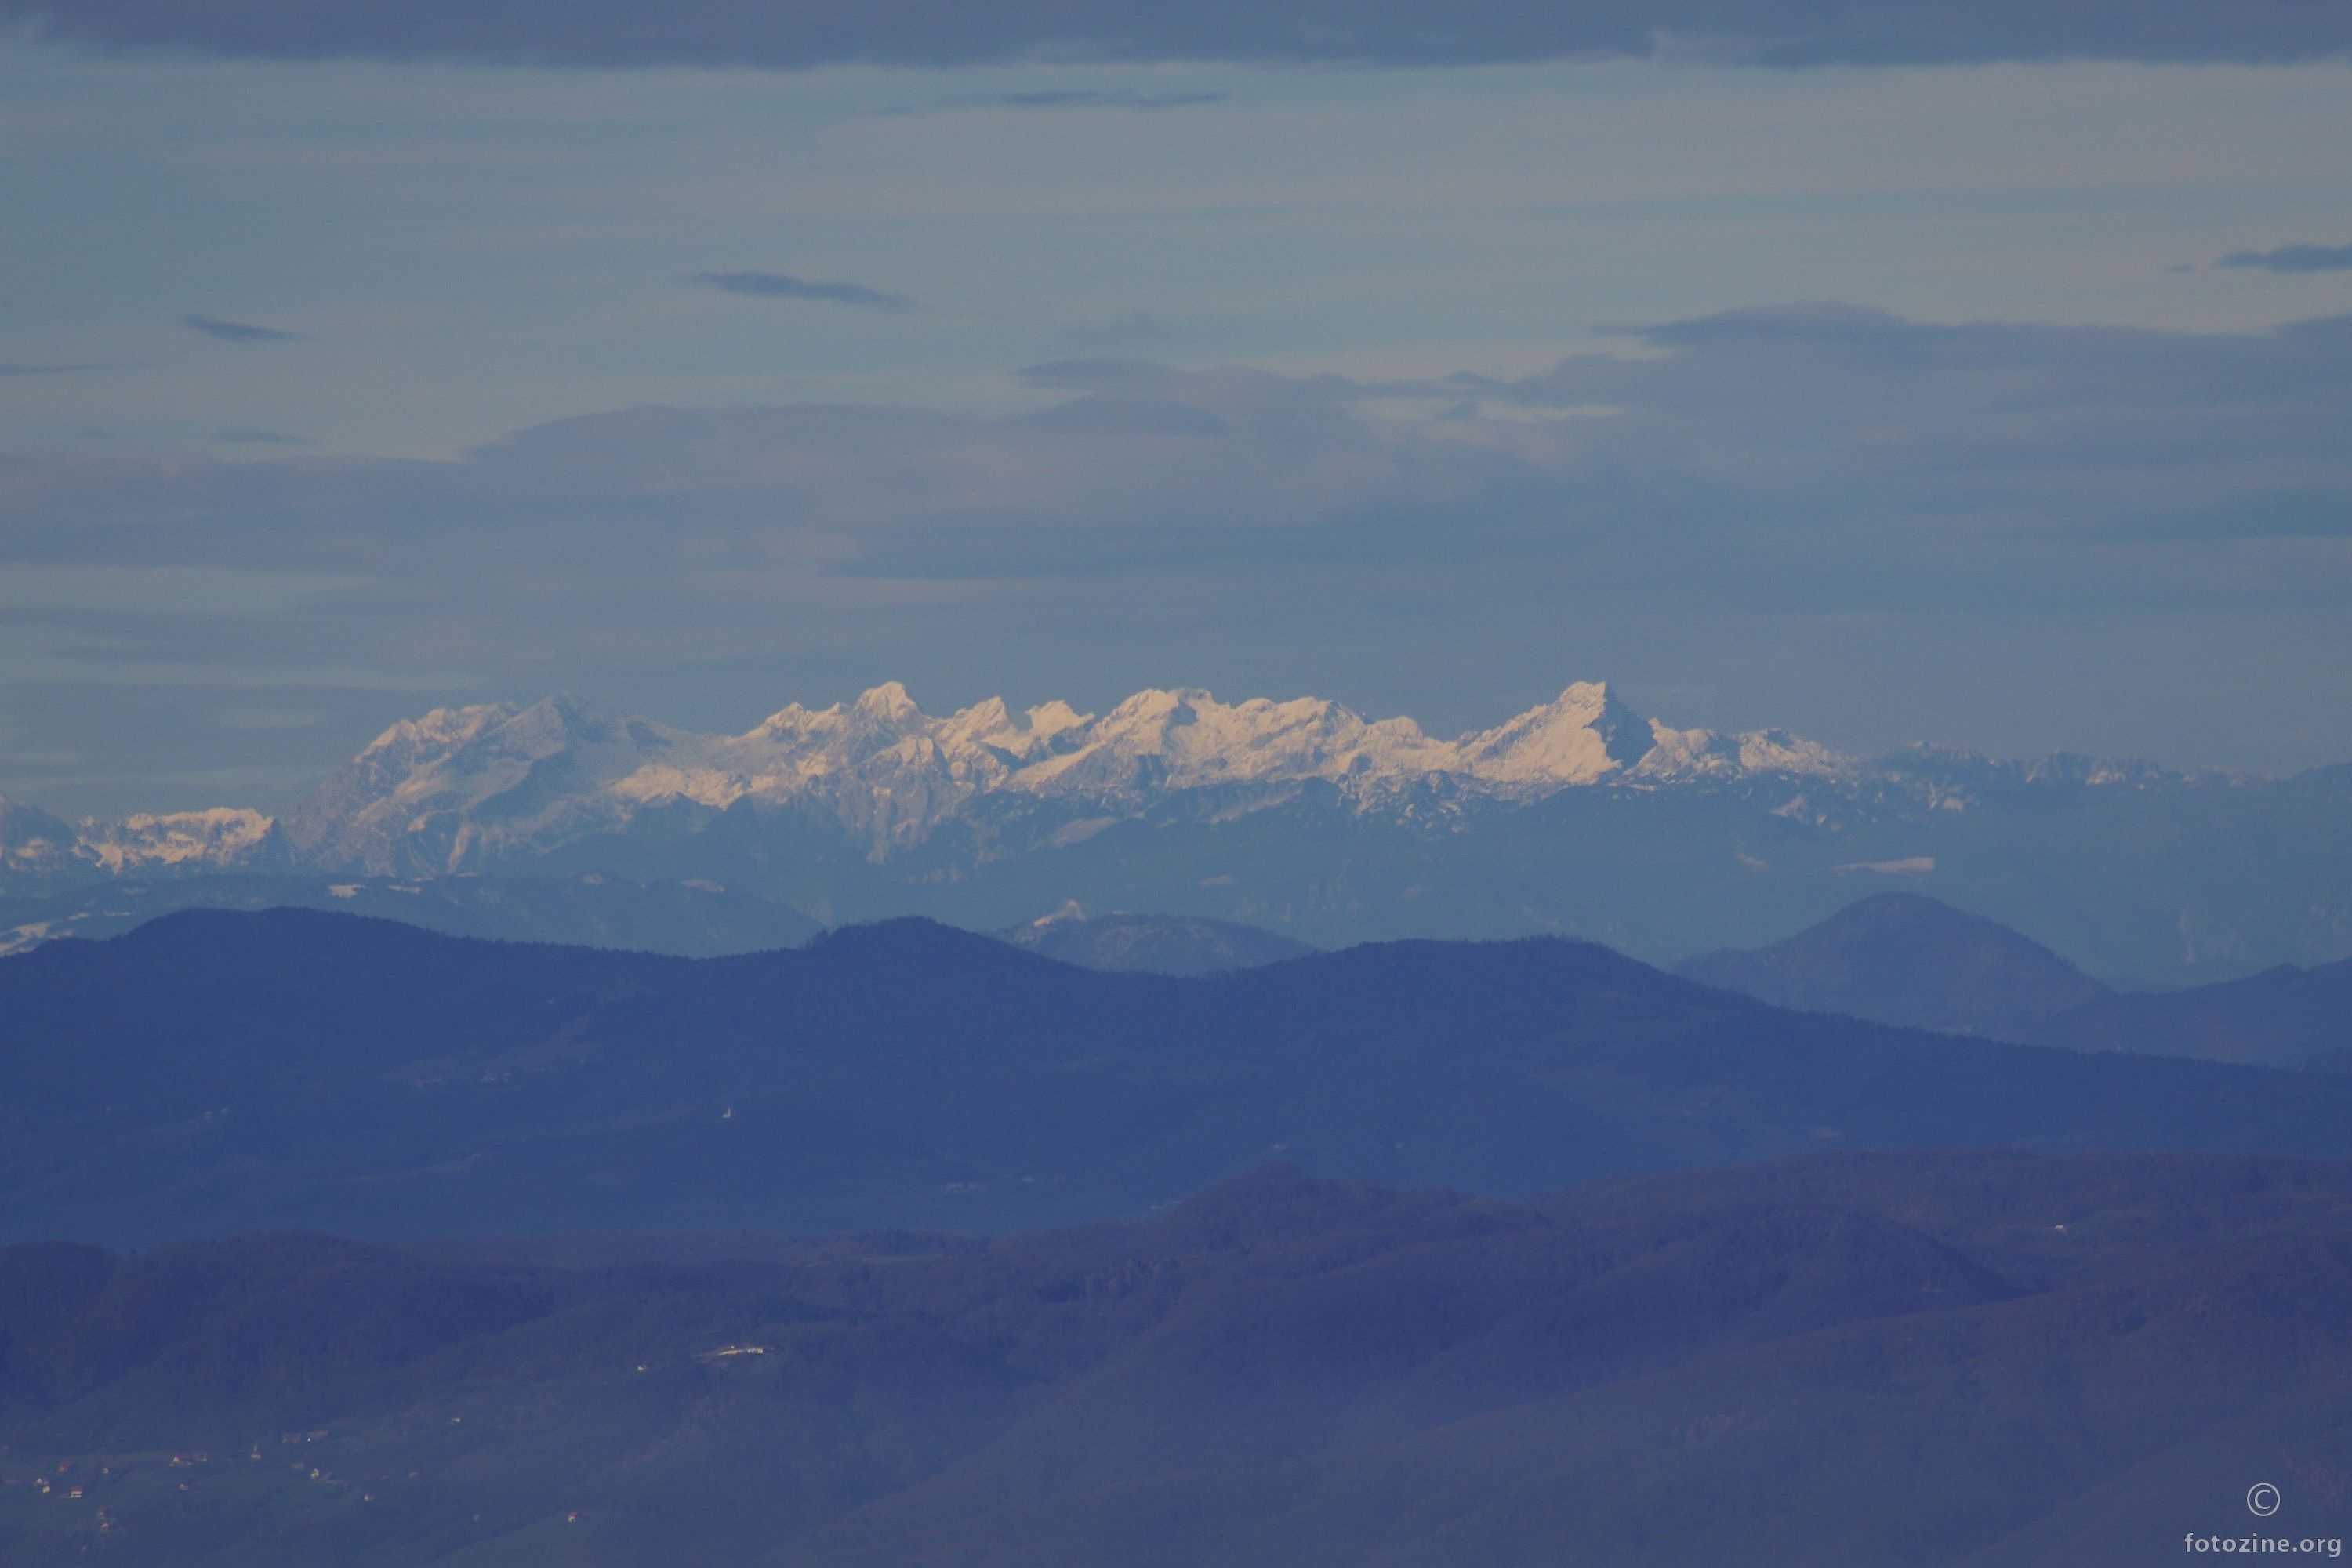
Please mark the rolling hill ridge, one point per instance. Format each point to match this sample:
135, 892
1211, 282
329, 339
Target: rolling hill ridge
218, 1072
1940, 1360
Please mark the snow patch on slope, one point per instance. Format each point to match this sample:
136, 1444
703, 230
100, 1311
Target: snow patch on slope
223, 838
460, 786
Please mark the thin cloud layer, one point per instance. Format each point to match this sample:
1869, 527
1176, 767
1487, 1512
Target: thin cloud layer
785, 286
1067, 98
237, 332
1845, 456
2294, 259
1992, 492
1385, 32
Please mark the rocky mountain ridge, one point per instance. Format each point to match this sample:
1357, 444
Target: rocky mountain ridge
37, 847
465, 786
1577, 818
459, 788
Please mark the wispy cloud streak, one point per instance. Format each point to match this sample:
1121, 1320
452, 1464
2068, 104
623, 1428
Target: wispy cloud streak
237, 332
1070, 98
2294, 259
785, 286
1384, 32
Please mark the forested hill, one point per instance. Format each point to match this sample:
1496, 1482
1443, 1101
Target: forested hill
1927, 1359
215, 1072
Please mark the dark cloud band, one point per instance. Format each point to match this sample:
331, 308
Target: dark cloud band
1079, 98
1912, 454
785, 286
2294, 259
1386, 32
236, 332
2090, 511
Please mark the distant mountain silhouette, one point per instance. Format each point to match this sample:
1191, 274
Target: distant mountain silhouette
696, 919
1574, 818
216, 1071
2285, 1016
1152, 944
1928, 1359
1904, 958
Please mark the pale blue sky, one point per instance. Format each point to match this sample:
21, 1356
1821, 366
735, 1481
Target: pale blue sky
230, 556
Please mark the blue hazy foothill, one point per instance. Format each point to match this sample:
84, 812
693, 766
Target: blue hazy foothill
219, 1071
1932, 1359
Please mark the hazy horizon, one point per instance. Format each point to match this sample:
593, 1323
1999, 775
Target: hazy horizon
1926, 376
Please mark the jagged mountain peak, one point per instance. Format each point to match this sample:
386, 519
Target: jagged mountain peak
21, 821
1154, 706
444, 791
1683, 755
887, 701
35, 844
1192, 738
222, 837
553, 723
490, 741
463, 788
881, 710
460, 784
560, 708
1582, 735
1053, 718
440, 729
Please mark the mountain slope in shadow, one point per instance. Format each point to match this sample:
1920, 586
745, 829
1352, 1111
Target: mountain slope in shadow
697, 919
1154, 944
1930, 1359
1901, 958
215, 1072
1905, 958
2287, 1016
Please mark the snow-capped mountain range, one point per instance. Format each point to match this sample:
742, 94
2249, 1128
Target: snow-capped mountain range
1577, 816
461, 789
34, 844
